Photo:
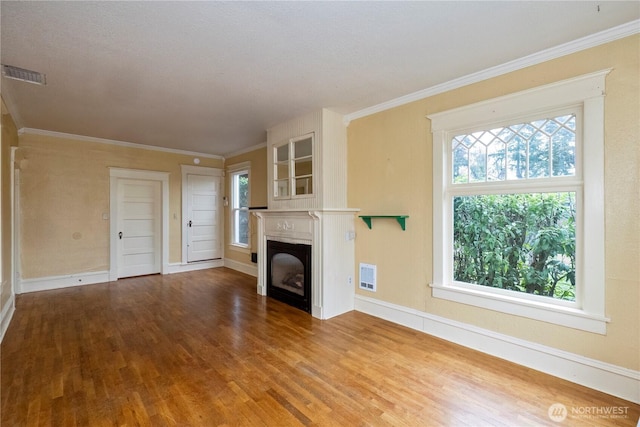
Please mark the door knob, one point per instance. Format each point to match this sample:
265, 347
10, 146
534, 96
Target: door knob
120, 234
189, 224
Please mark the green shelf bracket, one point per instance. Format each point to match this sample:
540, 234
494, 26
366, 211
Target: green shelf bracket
400, 218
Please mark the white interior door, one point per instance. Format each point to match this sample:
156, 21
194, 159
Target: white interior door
139, 227
203, 217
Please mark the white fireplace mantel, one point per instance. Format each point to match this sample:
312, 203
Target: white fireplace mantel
319, 218
330, 232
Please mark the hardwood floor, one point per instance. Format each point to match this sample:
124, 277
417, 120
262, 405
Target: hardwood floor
203, 349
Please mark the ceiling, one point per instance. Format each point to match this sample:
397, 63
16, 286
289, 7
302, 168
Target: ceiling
210, 77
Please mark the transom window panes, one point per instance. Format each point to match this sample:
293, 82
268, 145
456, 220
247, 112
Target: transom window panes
537, 149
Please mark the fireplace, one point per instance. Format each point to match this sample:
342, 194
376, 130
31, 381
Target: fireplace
289, 273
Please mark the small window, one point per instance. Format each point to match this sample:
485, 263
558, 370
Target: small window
240, 227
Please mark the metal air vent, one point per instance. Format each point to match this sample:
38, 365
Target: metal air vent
16, 73
368, 275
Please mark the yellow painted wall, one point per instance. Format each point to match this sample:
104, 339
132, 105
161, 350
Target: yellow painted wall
9, 139
258, 194
64, 190
389, 160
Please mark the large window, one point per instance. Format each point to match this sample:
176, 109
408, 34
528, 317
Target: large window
240, 207
517, 237
518, 204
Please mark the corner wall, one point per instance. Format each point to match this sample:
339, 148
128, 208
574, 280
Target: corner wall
235, 258
390, 172
64, 193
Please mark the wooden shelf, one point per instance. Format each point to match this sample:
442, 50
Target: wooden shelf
400, 218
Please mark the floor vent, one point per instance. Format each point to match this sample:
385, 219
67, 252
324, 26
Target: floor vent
368, 277
15, 73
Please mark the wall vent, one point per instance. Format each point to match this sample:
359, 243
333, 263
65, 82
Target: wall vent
368, 277
16, 73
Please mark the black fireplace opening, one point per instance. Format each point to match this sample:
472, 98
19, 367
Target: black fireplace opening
289, 273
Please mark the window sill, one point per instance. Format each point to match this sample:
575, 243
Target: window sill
563, 316
239, 248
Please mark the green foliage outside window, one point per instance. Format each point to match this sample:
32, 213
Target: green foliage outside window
240, 209
518, 242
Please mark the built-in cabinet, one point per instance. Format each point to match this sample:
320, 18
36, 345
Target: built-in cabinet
307, 160
307, 204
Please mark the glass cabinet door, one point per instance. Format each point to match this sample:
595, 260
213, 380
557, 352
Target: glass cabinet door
281, 176
293, 168
303, 166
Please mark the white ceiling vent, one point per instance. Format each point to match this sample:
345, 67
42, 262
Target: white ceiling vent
11, 72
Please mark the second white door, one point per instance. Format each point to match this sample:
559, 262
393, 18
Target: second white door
203, 218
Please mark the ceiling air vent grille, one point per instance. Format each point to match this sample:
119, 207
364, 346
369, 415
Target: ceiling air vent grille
11, 72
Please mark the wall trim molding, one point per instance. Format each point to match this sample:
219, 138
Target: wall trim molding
593, 40
601, 376
250, 269
43, 132
64, 281
6, 315
179, 267
94, 277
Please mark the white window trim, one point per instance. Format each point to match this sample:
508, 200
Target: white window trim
586, 91
233, 170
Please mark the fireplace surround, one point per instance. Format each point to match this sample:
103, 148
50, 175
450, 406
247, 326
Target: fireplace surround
329, 233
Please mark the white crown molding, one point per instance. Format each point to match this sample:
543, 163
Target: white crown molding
245, 150
11, 108
42, 132
593, 40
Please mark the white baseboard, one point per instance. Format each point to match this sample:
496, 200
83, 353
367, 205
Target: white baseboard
250, 269
601, 376
6, 315
59, 282
193, 266
80, 279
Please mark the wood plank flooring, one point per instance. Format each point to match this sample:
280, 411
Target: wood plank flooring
203, 349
